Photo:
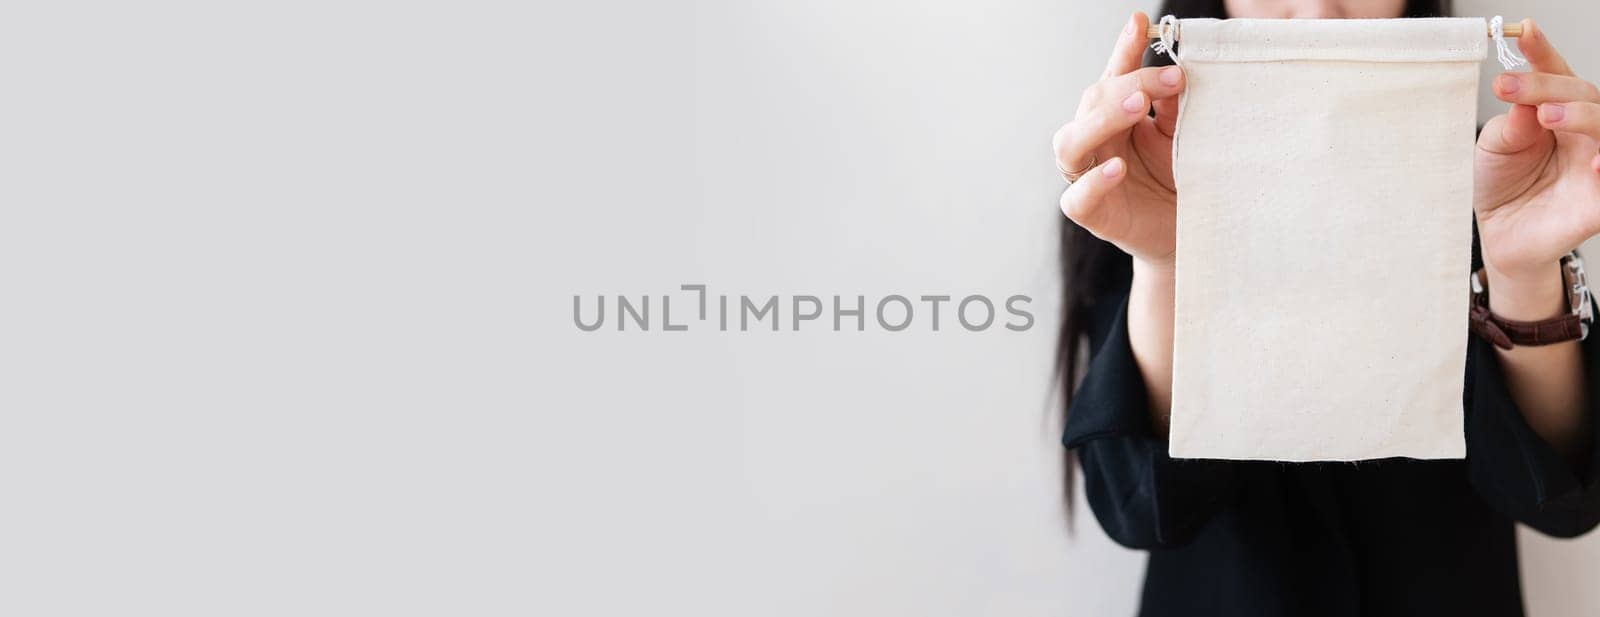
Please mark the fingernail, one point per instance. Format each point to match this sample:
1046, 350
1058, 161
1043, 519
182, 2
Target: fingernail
1134, 102
1171, 75
1127, 29
1509, 83
1112, 169
1552, 113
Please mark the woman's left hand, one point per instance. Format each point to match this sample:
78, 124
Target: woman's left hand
1537, 172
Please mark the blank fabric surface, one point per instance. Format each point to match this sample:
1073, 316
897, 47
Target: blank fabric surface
1324, 177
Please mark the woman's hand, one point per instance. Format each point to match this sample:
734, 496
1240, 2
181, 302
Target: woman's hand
1127, 198
1537, 172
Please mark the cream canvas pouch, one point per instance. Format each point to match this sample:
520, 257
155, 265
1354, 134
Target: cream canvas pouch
1324, 178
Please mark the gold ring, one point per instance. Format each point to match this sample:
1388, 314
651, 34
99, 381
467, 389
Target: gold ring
1072, 176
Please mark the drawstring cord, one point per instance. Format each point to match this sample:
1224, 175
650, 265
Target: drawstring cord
1508, 56
1169, 35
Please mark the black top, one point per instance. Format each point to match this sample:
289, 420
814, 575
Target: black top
1390, 537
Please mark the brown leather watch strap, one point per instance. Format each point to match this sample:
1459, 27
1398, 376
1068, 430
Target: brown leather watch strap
1509, 333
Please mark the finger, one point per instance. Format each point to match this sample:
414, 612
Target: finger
1077, 140
1536, 88
1542, 55
1516, 130
1129, 50
1083, 201
1578, 117
1157, 81
1167, 115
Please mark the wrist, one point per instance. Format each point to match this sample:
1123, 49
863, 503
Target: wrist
1530, 294
1151, 298
1154, 274
1150, 326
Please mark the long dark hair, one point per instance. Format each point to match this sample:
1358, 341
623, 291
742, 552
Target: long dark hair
1093, 269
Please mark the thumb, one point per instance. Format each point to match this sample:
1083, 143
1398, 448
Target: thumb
1513, 132
1166, 115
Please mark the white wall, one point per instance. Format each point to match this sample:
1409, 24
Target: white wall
837, 147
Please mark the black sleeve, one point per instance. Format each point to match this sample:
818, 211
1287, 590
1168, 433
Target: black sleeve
1514, 469
1142, 498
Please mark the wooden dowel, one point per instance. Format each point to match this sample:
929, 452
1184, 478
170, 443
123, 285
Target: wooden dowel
1512, 30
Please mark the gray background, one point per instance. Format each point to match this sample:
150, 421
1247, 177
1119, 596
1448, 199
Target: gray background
287, 320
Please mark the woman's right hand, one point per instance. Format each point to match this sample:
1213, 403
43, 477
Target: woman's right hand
1128, 197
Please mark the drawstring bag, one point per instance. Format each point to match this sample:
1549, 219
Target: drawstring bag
1324, 178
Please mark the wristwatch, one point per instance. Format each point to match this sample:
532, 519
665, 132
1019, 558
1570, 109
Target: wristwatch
1509, 333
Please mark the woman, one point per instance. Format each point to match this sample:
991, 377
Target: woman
1393, 537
